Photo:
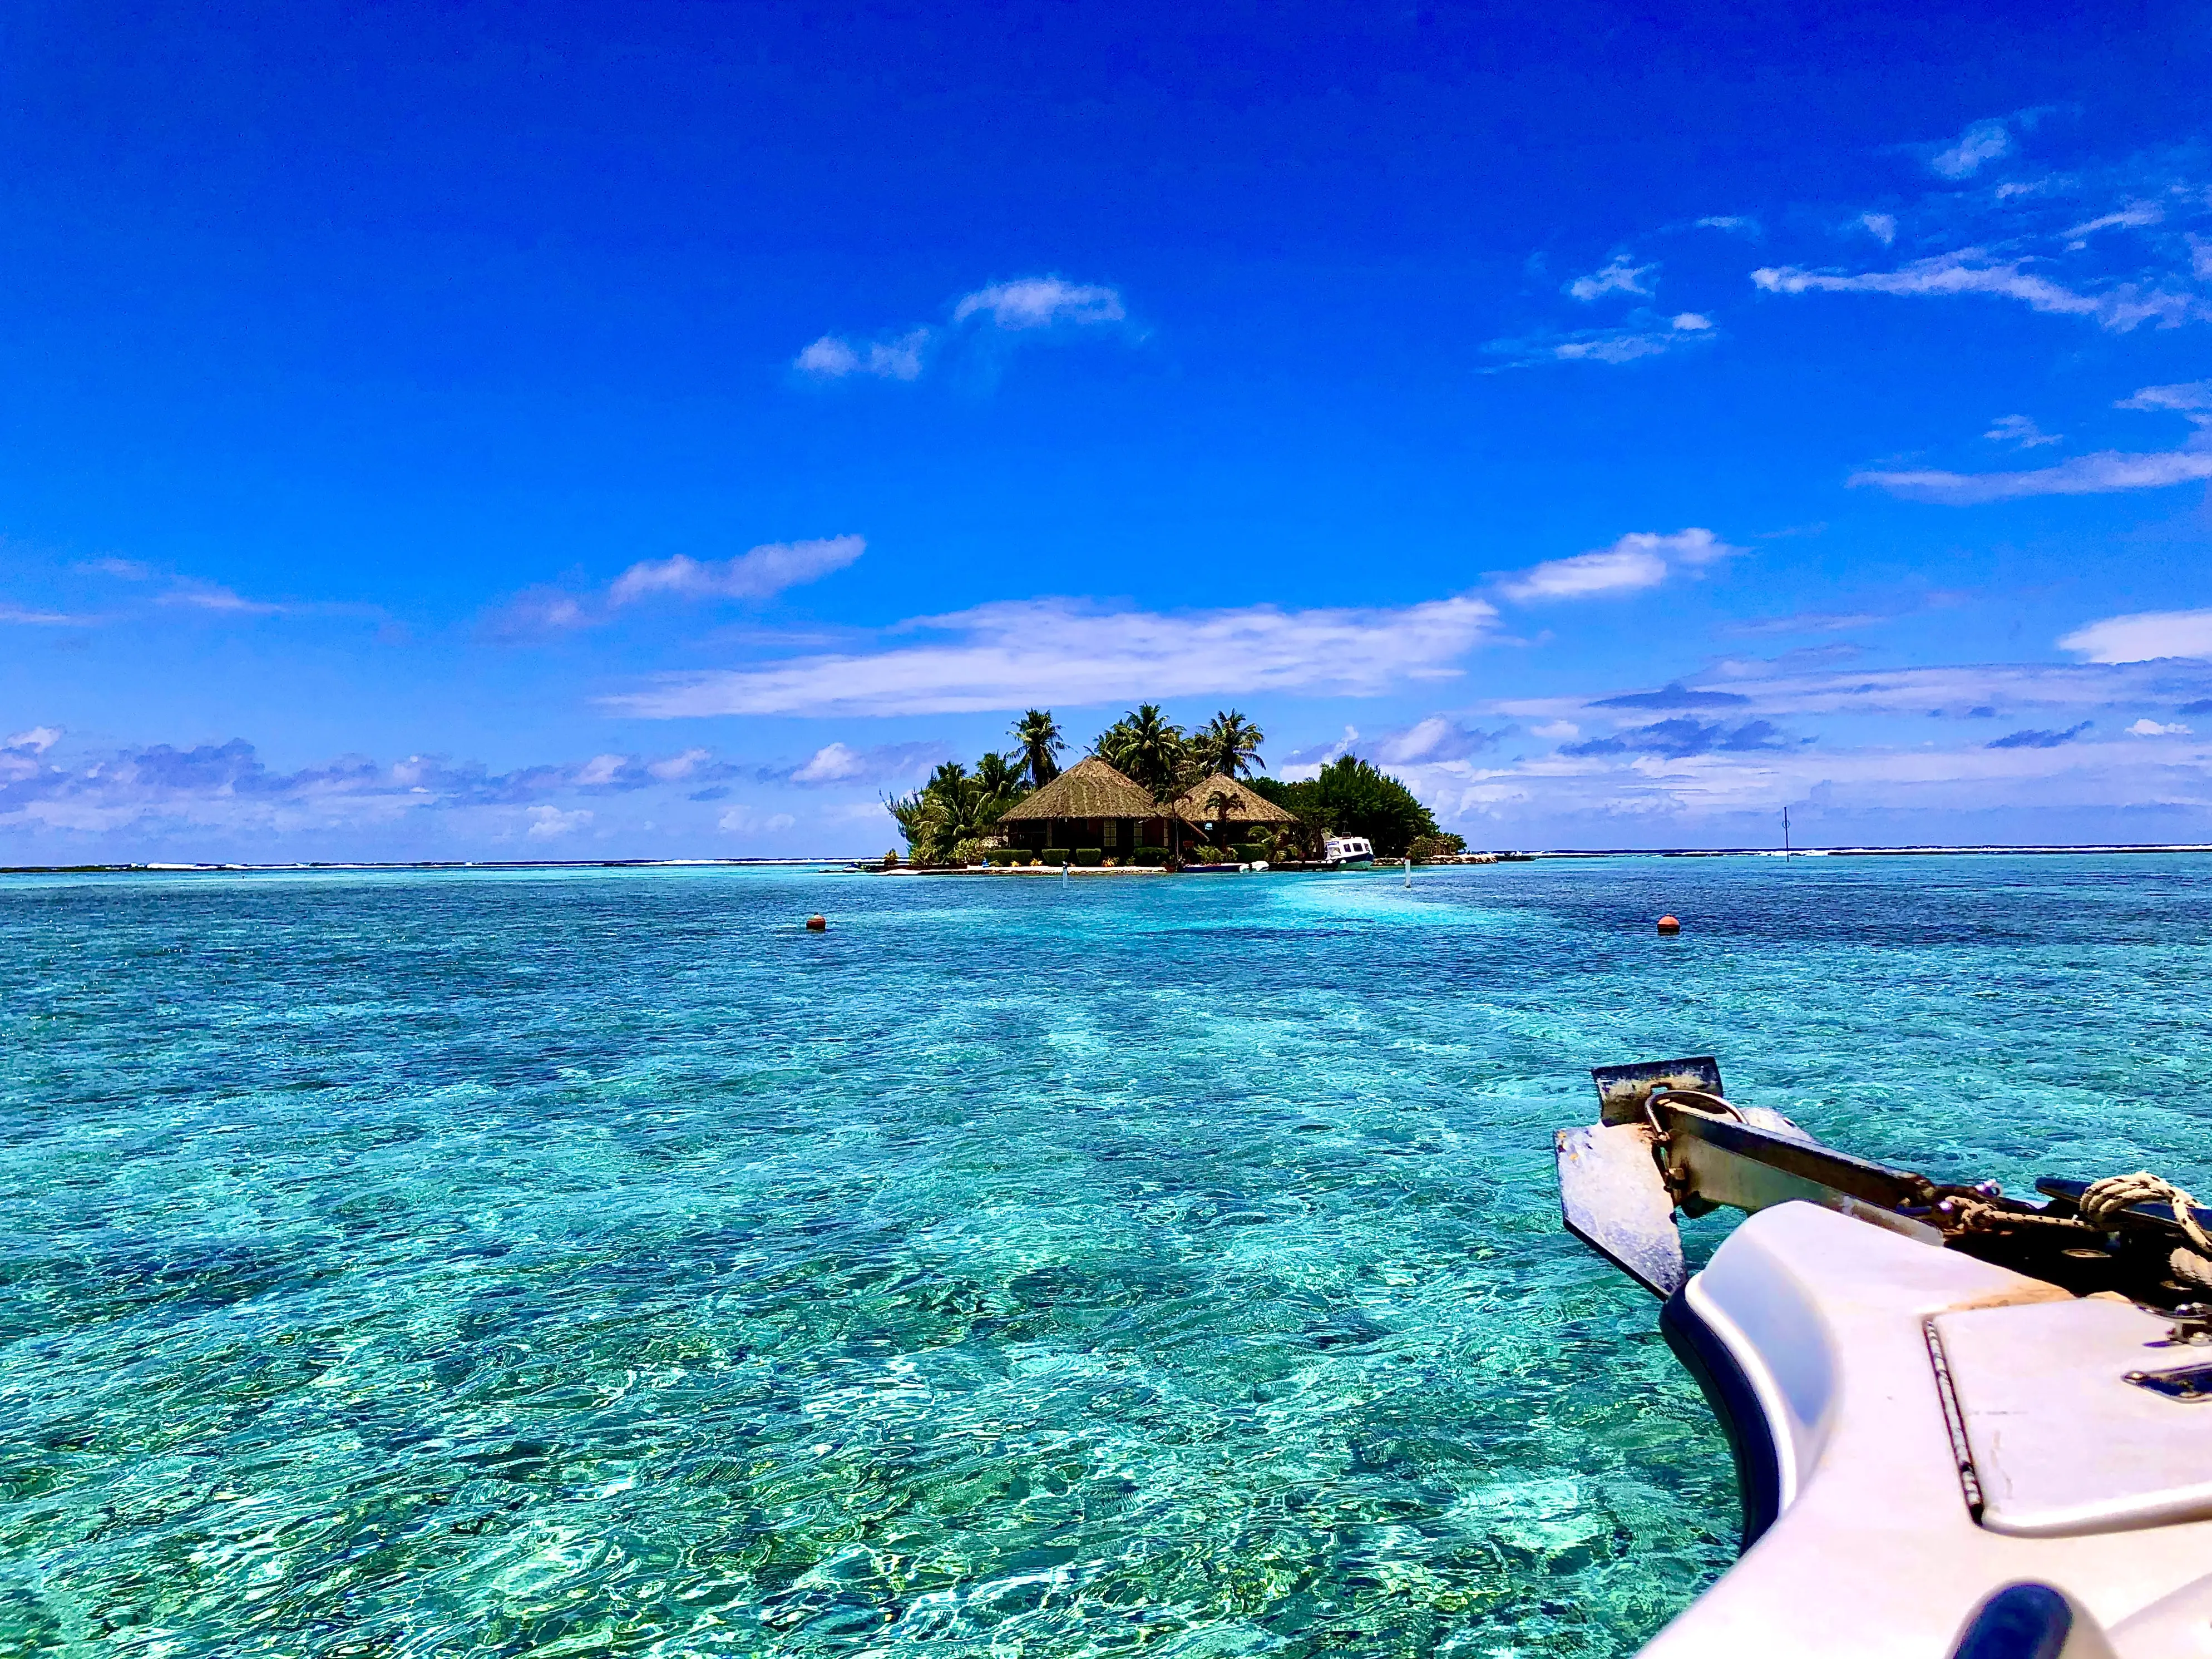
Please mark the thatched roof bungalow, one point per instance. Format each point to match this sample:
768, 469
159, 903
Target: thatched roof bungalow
1089, 804
1219, 805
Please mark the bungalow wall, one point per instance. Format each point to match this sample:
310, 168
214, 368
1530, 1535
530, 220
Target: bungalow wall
1109, 835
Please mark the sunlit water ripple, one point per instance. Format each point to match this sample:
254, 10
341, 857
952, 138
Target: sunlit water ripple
598, 1263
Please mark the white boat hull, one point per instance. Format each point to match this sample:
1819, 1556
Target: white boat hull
1810, 1332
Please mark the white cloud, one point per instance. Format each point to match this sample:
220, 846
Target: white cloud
1974, 691
2086, 475
2147, 728
1060, 650
213, 596
1040, 302
749, 820
1023, 306
13, 613
759, 574
1739, 223
35, 741
832, 358
2134, 216
1642, 336
2143, 637
676, 767
1439, 738
1973, 271
1619, 277
549, 823
1982, 141
2021, 430
2192, 398
1882, 226
831, 763
1638, 560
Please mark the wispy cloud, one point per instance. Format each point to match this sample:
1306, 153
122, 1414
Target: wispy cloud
2192, 398
29, 618
2150, 728
1639, 560
1040, 302
838, 763
227, 785
2145, 636
2136, 215
1982, 143
1439, 738
744, 820
2019, 429
1643, 335
1882, 226
760, 573
1737, 224
2120, 308
1063, 650
1619, 276
213, 596
1810, 622
1027, 304
2084, 474
1684, 736
834, 358
2101, 473
1967, 690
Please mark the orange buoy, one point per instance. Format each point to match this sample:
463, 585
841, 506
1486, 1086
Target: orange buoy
1668, 924
818, 924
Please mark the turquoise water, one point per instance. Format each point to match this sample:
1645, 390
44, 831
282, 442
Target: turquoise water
589, 1263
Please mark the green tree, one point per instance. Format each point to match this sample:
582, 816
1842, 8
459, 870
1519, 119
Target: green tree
1038, 733
1145, 747
1001, 775
1349, 796
945, 820
1228, 744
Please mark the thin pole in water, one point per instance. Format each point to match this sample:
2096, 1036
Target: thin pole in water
1785, 832
1409, 869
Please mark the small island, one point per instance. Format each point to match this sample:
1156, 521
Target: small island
1149, 795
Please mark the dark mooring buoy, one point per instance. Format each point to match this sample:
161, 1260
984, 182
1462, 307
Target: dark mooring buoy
1668, 924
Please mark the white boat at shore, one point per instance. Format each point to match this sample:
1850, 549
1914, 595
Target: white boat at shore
1347, 852
1962, 1423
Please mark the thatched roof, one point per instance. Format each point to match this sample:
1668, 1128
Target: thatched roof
1088, 789
1221, 799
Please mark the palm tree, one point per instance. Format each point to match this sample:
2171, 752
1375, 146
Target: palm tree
1229, 744
1038, 733
945, 819
1001, 775
1146, 747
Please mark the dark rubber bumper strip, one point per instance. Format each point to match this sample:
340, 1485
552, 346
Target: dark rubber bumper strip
1728, 1392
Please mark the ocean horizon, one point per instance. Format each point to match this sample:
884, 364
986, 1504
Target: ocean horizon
593, 1260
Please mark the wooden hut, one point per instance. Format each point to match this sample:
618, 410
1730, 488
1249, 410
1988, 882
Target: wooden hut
1224, 811
1089, 806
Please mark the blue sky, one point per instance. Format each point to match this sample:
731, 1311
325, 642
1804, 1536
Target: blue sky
656, 430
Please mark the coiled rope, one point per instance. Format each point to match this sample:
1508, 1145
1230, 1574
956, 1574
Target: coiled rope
2102, 1201
2099, 1211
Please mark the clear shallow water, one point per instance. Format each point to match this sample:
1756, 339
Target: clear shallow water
597, 1263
